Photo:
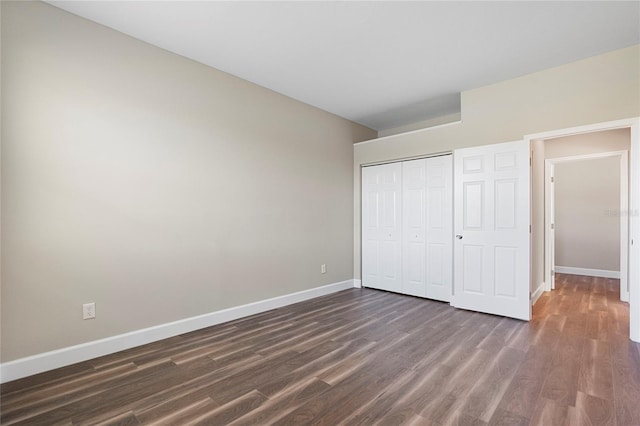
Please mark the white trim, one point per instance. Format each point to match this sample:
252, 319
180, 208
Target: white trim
400, 160
549, 234
28, 366
357, 283
594, 156
588, 272
408, 133
634, 233
590, 128
537, 293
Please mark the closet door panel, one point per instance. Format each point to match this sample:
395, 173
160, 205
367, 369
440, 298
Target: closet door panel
439, 227
381, 227
413, 228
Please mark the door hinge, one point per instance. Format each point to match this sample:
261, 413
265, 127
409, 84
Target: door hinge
529, 228
530, 162
553, 226
552, 179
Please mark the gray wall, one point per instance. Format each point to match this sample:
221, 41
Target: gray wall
155, 186
586, 236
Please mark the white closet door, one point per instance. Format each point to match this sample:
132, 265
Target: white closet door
381, 227
413, 228
439, 227
492, 226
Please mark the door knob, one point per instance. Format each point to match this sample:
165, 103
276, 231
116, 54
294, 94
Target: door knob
459, 236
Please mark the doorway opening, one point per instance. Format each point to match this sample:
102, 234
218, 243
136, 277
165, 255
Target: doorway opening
587, 237
542, 249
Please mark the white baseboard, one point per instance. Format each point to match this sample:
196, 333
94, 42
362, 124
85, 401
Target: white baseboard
589, 272
537, 293
357, 283
39, 363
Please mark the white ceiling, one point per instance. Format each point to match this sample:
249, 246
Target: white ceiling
383, 64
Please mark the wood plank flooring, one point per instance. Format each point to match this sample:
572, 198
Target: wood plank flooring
363, 357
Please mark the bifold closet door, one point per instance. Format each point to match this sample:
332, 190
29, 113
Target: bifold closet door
407, 228
439, 227
381, 227
427, 227
414, 217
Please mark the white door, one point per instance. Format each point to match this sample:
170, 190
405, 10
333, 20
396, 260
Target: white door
491, 221
381, 226
413, 228
439, 227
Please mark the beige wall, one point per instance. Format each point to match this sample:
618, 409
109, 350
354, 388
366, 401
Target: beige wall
155, 186
537, 214
597, 89
587, 235
588, 143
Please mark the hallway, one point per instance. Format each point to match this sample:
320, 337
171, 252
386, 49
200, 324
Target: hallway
590, 368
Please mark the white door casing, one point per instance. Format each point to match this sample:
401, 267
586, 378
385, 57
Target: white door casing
492, 223
381, 222
550, 224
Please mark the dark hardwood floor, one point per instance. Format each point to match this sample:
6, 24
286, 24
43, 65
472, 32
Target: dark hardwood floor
363, 357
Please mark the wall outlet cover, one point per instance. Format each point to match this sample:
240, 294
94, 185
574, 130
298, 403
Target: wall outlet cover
88, 311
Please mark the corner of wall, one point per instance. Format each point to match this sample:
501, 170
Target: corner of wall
537, 293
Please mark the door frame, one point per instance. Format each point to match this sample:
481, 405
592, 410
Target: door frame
549, 214
633, 124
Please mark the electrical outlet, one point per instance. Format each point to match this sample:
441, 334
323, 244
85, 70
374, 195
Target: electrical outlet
88, 311
323, 269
